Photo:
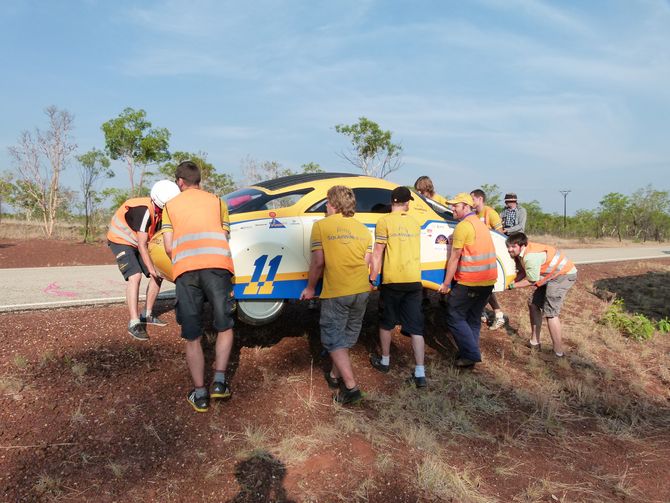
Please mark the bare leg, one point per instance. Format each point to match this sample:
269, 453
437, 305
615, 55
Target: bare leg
196, 362
132, 295
554, 325
153, 288
224, 344
535, 323
385, 341
418, 346
495, 305
342, 362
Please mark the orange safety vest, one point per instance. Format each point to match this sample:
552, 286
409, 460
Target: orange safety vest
199, 242
120, 233
478, 260
555, 264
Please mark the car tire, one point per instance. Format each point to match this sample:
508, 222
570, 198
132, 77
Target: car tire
259, 312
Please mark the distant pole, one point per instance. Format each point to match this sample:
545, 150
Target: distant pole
565, 208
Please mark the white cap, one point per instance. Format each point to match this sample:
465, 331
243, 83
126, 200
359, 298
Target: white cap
163, 191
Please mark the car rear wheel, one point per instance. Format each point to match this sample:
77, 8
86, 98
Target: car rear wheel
259, 312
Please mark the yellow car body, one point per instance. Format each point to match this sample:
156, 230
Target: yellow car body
271, 223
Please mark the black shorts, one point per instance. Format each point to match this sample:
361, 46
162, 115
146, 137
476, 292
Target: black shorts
128, 259
193, 288
401, 307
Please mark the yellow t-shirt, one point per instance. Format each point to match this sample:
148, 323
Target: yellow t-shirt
345, 242
464, 234
402, 256
490, 218
166, 223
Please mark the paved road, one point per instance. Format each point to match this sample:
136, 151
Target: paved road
48, 287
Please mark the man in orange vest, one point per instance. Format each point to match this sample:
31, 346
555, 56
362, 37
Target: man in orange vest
196, 234
553, 274
132, 227
473, 268
492, 220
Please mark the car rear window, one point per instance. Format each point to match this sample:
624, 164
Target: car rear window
249, 199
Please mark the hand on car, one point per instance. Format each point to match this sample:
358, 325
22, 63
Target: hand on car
444, 289
307, 293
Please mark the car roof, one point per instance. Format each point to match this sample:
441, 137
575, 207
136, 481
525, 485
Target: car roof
288, 181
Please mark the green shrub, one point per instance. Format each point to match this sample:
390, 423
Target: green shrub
664, 325
636, 326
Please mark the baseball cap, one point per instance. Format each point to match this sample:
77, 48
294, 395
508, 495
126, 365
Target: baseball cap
462, 197
510, 196
401, 195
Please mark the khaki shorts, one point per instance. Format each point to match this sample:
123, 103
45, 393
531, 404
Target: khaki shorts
550, 296
341, 320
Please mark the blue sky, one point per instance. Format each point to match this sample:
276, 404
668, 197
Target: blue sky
532, 96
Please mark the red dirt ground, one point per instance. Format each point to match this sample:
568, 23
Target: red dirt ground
88, 414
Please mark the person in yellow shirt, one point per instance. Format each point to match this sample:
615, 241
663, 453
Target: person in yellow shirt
424, 186
398, 247
472, 266
493, 221
341, 248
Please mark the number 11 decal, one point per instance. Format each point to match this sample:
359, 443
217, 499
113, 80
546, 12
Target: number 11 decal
267, 285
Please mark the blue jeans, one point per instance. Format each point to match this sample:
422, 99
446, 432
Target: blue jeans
464, 311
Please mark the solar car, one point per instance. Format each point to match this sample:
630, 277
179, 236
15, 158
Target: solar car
270, 226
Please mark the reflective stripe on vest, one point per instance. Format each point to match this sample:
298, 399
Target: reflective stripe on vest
199, 241
478, 260
119, 232
554, 265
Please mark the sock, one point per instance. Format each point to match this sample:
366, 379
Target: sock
200, 392
500, 315
558, 354
219, 376
133, 322
534, 343
386, 360
419, 371
147, 314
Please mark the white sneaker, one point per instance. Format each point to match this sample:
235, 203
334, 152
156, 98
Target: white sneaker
499, 322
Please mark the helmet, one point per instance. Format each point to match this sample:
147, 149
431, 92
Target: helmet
163, 191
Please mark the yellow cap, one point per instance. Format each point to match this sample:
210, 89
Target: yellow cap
462, 197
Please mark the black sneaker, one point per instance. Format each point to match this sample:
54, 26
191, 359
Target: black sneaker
348, 396
138, 332
333, 382
419, 382
199, 404
220, 390
465, 363
376, 362
152, 320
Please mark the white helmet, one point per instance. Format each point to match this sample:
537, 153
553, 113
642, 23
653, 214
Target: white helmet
163, 191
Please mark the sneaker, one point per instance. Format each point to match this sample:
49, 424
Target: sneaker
464, 363
199, 404
534, 347
484, 319
152, 320
333, 382
348, 396
138, 332
376, 362
497, 323
419, 382
220, 390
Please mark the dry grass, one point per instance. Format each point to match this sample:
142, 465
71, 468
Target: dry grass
22, 229
48, 487
20, 361
440, 481
10, 385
